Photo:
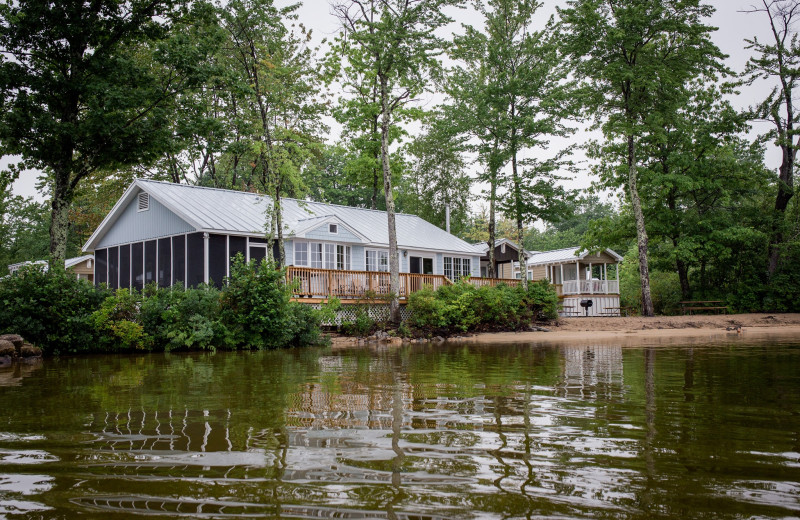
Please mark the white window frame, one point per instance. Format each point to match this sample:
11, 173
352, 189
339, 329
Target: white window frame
460, 266
380, 256
333, 229
301, 254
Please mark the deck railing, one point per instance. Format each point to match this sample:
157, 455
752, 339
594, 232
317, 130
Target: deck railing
356, 284
492, 282
591, 287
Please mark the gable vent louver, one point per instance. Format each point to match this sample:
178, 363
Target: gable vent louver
144, 201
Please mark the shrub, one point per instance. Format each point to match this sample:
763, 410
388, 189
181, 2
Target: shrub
50, 308
257, 308
464, 307
362, 326
118, 322
178, 318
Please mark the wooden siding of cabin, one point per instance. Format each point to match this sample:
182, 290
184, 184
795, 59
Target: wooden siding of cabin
137, 226
539, 272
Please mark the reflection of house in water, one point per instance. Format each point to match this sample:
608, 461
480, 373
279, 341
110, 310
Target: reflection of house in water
588, 370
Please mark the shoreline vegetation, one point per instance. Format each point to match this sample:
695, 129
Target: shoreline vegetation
254, 310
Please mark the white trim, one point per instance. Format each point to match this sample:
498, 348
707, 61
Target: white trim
205, 258
333, 229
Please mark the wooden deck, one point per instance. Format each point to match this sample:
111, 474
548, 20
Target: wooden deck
317, 285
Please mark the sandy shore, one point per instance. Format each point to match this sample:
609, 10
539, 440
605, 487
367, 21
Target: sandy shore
635, 331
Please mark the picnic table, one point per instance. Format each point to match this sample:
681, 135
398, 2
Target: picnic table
568, 310
615, 311
689, 307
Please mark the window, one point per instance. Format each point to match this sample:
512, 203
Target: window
333, 229
377, 261
343, 258
330, 256
316, 255
455, 268
144, 201
301, 253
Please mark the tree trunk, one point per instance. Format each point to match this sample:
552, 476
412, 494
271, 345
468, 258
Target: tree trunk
785, 193
641, 232
518, 203
493, 172
683, 277
394, 267
59, 218
375, 169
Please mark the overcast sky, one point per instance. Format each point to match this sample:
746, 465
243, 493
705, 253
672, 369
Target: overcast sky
733, 26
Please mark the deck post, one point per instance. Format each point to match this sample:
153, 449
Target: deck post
562, 275
330, 282
591, 279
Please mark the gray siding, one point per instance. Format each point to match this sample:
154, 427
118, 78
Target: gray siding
135, 226
475, 263
321, 233
439, 267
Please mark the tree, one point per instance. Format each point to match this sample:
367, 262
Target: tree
393, 42
87, 86
436, 178
779, 62
272, 70
636, 58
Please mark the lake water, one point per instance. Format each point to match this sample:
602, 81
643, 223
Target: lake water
418, 432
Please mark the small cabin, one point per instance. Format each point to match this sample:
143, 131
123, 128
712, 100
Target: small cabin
591, 278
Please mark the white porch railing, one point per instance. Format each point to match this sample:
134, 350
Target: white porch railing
591, 287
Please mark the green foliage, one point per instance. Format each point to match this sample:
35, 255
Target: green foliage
51, 309
118, 322
362, 326
64, 315
665, 289
464, 307
256, 305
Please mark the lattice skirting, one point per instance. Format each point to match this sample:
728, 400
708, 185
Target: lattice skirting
376, 311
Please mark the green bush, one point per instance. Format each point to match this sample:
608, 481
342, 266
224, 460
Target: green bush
257, 307
463, 307
362, 326
185, 319
65, 315
51, 309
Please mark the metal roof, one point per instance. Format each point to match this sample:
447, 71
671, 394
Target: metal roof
236, 212
569, 254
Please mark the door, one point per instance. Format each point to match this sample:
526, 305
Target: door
415, 265
427, 266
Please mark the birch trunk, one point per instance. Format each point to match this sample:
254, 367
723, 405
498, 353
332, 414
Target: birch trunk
641, 232
394, 267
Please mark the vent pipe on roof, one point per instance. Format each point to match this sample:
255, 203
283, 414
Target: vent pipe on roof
447, 217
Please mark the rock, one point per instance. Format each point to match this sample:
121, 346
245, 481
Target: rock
29, 350
7, 348
5, 361
381, 335
15, 339
438, 339
536, 328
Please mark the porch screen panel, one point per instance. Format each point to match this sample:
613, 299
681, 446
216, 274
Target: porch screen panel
217, 262
258, 253
237, 245
195, 259
113, 267
137, 263
125, 266
164, 262
179, 259
149, 261
100, 266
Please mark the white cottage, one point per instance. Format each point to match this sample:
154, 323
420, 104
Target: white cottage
168, 233
580, 277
